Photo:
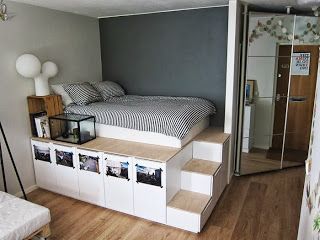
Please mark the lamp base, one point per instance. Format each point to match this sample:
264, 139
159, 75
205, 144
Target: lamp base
41, 84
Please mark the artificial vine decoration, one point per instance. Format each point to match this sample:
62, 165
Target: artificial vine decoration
275, 28
272, 27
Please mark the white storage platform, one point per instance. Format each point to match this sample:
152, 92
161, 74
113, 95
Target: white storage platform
177, 187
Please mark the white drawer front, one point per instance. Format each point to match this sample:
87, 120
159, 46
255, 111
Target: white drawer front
150, 190
91, 187
66, 170
118, 182
43, 165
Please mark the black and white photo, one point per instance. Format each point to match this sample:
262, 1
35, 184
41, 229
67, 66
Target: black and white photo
148, 175
64, 158
89, 163
117, 169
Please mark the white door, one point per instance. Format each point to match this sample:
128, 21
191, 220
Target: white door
91, 188
117, 173
44, 166
66, 170
150, 190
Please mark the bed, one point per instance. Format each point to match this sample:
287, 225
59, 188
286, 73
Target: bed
20, 219
167, 121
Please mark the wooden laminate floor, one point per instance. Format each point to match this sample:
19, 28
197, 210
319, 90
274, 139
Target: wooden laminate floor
257, 207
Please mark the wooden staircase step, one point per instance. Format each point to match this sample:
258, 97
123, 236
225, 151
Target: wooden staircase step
201, 166
212, 135
190, 201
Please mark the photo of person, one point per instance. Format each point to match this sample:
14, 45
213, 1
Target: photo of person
42, 153
64, 158
117, 169
149, 175
89, 163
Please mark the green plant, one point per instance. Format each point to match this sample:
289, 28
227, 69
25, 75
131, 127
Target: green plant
316, 223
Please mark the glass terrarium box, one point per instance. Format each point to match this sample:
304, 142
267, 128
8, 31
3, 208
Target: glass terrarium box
72, 128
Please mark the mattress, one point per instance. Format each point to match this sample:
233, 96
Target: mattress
171, 116
150, 137
20, 218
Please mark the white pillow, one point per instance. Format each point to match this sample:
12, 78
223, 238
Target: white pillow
59, 90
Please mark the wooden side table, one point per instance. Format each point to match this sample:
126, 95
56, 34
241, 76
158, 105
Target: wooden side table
52, 104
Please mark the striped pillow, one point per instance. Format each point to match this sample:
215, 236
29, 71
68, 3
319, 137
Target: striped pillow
108, 89
82, 93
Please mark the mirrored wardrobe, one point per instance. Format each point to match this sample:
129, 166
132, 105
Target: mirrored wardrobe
278, 91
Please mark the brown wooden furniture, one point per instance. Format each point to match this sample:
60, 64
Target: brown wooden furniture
43, 232
52, 104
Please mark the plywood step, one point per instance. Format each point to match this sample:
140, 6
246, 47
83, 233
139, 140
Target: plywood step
190, 201
189, 210
201, 166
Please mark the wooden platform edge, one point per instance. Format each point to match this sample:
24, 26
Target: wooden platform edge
43, 232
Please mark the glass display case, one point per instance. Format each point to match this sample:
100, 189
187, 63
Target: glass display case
72, 128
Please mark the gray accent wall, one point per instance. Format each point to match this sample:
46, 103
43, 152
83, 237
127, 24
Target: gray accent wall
175, 53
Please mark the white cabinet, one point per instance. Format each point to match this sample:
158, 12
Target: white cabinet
150, 190
66, 170
90, 177
44, 165
118, 183
248, 128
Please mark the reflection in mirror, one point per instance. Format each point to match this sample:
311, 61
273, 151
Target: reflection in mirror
265, 91
282, 70
304, 72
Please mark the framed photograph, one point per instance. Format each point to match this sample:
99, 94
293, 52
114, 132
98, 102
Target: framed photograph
148, 175
64, 158
249, 91
33, 116
42, 153
117, 169
42, 126
89, 163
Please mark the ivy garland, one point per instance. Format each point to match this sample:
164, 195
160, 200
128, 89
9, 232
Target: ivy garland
276, 29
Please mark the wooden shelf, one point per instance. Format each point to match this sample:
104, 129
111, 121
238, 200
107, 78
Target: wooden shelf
201, 166
190, 201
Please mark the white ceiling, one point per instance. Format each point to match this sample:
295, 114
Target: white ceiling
107, 8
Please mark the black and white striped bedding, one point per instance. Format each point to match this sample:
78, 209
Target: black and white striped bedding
171, 116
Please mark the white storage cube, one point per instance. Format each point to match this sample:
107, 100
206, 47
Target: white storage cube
66, 170
118, 182
44, 165
90, 169
150, 190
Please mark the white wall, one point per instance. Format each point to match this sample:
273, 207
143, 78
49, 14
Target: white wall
72, 41
313, 178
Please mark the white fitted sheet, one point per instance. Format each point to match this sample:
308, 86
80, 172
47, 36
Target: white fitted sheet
20, 218
128, 134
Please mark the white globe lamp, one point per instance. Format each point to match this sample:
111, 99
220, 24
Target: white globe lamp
29, 66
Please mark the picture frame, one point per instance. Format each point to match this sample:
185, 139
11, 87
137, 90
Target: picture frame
33, 116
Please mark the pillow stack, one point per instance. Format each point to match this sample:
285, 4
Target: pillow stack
86, 93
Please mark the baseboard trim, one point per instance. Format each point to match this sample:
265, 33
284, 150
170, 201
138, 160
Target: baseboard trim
27, 190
